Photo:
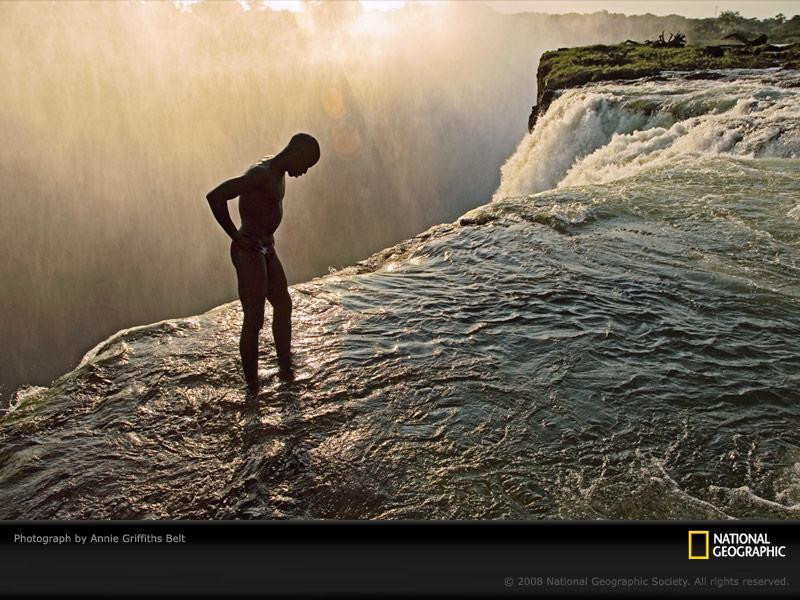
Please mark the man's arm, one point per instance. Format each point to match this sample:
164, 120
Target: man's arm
228, 190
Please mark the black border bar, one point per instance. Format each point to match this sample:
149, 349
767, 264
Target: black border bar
392, 558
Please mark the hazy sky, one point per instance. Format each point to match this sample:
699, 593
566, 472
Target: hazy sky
688, 8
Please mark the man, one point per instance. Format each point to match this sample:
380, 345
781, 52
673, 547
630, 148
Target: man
258, 270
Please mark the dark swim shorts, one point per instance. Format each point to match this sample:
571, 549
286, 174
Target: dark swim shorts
268, 250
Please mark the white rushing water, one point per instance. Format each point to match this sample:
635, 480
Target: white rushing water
604, 132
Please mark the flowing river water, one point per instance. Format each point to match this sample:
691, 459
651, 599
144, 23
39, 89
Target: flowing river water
613, 336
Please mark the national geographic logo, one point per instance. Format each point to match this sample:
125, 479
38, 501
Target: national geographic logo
698, 545
703, 545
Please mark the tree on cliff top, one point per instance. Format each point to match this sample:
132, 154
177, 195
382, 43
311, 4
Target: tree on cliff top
729, 20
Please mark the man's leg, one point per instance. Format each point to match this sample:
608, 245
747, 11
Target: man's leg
278, 296
252, 280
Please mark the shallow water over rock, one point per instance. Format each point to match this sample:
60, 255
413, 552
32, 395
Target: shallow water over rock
594, 352
623, 348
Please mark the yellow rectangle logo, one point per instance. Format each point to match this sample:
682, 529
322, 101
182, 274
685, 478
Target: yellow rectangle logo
697, 534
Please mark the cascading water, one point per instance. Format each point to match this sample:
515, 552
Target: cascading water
600, 133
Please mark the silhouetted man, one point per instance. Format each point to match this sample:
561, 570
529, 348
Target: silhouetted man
258, 270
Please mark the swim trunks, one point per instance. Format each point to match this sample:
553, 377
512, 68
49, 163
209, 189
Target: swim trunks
268, 250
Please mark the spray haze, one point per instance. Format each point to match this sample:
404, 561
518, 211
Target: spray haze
119, 117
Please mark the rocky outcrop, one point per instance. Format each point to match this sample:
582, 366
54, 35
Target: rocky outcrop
572, 67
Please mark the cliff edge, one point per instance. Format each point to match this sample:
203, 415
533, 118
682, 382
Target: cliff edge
572, 67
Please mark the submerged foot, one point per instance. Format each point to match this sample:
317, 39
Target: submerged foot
253, 388
285, 370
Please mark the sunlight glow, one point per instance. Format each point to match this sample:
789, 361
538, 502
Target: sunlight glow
372, 23
290, 5
382, 5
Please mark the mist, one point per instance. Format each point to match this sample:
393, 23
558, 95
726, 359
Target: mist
117, 118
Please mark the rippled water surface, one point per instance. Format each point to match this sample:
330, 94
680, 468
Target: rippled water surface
624, 349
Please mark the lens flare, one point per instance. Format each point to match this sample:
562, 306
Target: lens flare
346, 140
333, 103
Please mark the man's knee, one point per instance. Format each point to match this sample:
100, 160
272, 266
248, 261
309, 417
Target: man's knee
281, 301
253, 323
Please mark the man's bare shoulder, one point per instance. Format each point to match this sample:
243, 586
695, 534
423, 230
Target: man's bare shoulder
259, 174
264, 162
265, 178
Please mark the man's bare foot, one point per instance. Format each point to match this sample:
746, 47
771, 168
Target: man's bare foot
285, 371
253, 387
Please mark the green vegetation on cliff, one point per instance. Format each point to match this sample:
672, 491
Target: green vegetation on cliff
571, 67
568, 67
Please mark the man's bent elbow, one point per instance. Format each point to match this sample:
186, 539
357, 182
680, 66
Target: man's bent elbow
214, 199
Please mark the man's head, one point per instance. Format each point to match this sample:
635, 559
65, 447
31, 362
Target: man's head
301, 153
